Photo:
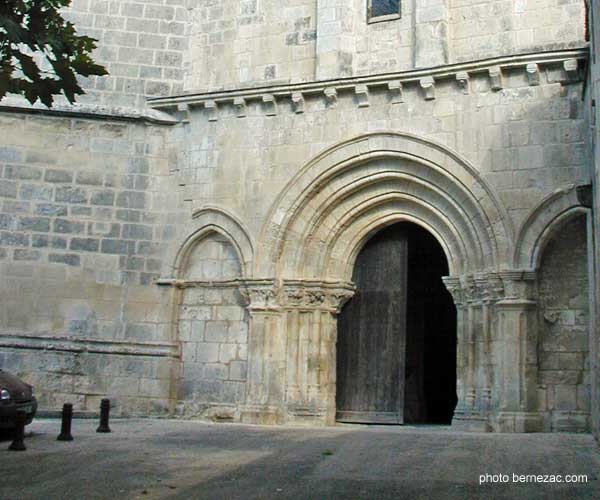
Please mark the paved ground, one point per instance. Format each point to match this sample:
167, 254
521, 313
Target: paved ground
191, 460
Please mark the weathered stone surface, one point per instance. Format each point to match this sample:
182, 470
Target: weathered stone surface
95, 211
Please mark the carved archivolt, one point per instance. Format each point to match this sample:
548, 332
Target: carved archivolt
209, 220
541, 224
341, 198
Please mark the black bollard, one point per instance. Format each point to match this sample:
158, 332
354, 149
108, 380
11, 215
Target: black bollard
65, 427
104, 415
18, 443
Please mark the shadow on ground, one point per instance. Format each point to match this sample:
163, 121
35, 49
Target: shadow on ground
153, 459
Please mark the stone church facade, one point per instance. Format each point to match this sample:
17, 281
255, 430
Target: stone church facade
184, 239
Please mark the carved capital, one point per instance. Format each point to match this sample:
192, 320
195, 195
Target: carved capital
330, 296
474, 290
260, 295
454, 286
519, 284
493, 289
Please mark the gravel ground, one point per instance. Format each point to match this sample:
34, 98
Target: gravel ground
146, 458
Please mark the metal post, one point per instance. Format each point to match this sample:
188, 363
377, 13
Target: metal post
104, 415
18, 443
65, 428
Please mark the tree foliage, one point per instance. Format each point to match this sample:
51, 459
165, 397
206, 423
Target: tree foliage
41, 53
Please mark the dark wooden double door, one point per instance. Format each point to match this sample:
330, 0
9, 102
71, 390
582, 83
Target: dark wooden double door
396, 347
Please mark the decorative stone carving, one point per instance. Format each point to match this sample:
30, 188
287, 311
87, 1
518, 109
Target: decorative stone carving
518, 284
270, 104
330, 296
240, 106
571, 67
428, 86
331, 96
362, 95
260, 295
184, 111
396, 91
462, 77
454, 286
213, 110
298, 102
496, 82
533, 74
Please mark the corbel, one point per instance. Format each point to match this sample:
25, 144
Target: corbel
495, 75
331, 97
362, 96
533, 74
185, 112
396, 91
428, 86
462, 77
298, 102
240, 106
213, 110
270, 104
571, 67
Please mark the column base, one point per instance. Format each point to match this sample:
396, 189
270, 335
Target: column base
507, 421
306, 415
261, 415
570, 421
470, 423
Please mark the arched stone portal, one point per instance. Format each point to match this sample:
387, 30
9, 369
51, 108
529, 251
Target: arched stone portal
309, 245
300, 277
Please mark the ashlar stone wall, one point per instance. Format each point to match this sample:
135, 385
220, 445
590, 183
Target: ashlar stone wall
564, 328
245, 43
142, 44
239, 43
487, 29
525, 140
213, 331
593, 118
87, 211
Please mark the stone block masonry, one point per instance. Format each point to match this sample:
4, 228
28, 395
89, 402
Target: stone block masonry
142, 45
188, 255
84, 229
213, 330
564, 374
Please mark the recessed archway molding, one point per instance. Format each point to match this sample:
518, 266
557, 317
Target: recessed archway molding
367, 178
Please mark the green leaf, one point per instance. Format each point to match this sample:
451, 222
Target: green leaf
30, 26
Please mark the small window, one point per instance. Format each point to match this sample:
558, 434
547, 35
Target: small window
383, 10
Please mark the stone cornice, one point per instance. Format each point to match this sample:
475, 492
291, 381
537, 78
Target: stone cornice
270, 294
19, 340
426, 78
183, 283
13, 104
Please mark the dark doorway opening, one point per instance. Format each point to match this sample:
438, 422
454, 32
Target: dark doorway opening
396, 350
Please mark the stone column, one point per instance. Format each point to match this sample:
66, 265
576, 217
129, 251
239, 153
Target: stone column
463, 384
266, 354
492, 291
518, 339
310, 311
475, 298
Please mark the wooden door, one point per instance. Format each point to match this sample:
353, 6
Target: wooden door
372, 334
